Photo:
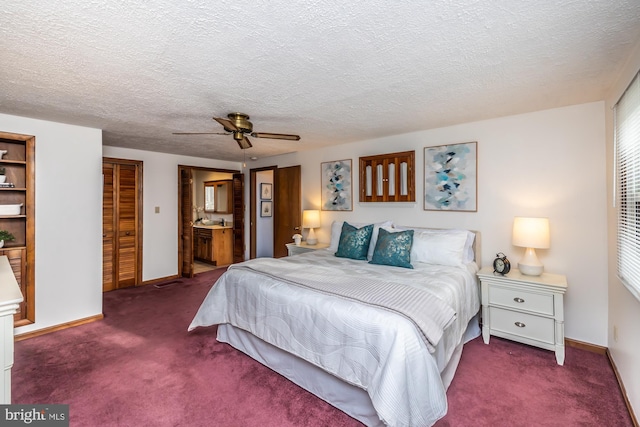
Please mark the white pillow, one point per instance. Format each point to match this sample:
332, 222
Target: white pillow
336, 230
443, 247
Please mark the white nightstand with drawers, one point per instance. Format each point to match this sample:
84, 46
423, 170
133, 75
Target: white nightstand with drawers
527, 309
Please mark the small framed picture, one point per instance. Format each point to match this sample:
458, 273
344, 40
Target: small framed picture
266, 209
266, 191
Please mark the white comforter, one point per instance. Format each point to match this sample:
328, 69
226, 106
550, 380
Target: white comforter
370, 347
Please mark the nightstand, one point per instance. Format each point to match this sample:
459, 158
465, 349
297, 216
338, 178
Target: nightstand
303, 247
527, 309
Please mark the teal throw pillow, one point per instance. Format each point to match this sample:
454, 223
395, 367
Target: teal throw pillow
393, 248
354, 242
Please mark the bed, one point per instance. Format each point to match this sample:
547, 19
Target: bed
379, 342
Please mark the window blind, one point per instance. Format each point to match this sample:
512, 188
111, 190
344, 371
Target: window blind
627, 141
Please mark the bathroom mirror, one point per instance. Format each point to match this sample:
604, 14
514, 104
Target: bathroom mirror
217, 197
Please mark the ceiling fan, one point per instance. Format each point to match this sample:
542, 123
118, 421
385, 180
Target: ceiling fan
238, 124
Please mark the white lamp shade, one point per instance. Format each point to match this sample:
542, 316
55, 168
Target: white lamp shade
310, 219
531, 232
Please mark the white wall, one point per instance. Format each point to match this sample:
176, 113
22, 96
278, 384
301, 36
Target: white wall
68, 220
548, 163
624, 309
160, 188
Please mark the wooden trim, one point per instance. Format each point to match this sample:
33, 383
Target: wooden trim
161, 279
210, 169
59, 327
585, 346
634, 420
27, 313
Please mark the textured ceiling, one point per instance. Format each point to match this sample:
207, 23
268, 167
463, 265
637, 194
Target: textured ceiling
331, 71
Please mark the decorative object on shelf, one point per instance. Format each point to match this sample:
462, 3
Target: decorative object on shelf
10, 209
297, 239
532, 234
501, 264
2, 153
388, 177
266, 209
266, 191
3, 177
311, 220
336, 181
450, 182
5, 236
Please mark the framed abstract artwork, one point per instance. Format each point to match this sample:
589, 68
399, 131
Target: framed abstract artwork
450, 177
336, 186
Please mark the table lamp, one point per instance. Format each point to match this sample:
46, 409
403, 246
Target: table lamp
532, 234
311, 220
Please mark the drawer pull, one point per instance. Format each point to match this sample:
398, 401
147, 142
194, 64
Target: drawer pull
518, 300
520, 324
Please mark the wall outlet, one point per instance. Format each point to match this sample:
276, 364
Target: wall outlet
157, 209
615, 333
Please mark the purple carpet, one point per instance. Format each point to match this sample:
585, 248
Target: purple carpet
140, 367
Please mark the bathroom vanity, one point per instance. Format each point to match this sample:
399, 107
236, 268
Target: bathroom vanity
213, 244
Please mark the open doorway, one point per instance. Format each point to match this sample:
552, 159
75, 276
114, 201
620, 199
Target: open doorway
209, 225
275, 200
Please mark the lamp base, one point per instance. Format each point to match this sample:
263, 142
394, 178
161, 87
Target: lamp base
530, 265
530, 270
311, 238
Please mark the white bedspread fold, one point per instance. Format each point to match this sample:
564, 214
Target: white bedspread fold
407, 301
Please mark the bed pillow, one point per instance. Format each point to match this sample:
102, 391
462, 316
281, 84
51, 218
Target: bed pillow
336, 230
444, 247
393, 248
354, 242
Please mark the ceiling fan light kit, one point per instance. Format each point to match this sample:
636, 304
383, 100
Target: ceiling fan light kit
238, 125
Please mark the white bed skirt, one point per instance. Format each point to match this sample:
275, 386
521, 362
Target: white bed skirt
350, 399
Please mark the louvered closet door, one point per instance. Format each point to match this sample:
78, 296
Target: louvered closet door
127, 231
108, 221
122, 249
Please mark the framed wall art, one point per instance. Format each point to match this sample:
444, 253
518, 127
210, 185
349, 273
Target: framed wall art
266, 191
266, 209
450, 177
336, 178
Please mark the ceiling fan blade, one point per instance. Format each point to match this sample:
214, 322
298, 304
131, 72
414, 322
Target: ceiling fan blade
199, 133
276, 136
244, 143
227, 124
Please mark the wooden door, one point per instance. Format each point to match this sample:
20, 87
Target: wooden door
238, 217
287, 209
127, 220
186, 222
121, 224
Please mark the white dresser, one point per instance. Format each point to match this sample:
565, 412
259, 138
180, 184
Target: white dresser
293, 249
10, 299
527, 309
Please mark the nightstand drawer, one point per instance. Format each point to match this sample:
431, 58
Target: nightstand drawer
522, 324
521, 300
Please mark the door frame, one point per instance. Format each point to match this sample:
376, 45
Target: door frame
180, 225
253, 211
